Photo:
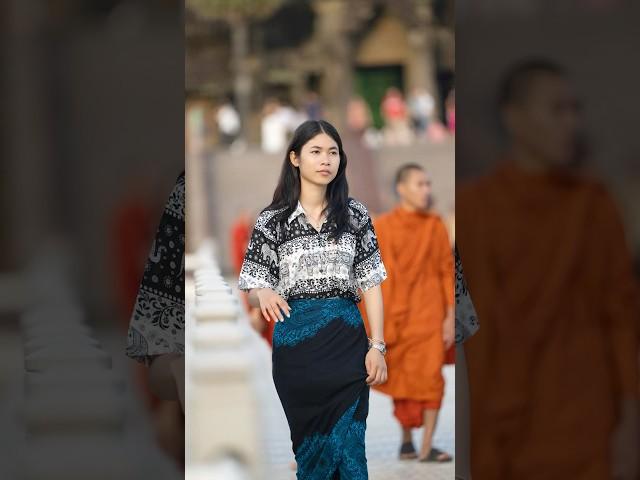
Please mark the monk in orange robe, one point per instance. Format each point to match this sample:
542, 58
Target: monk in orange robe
553, 372
419, 320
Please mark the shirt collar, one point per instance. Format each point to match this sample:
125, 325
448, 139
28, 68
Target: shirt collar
300, 211
296, 213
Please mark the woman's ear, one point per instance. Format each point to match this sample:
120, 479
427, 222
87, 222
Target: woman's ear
293, 158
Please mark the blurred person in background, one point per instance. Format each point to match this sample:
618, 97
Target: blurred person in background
132, 224
240, 235
228, 120
313, 106
450, 108
278, 122
396, 118
359, 118
292, 116
362, 174
554, 371
421, 106
156, 329
312, 256
360, 122
274, 127
419, 309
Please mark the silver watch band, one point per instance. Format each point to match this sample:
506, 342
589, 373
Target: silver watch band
381, 348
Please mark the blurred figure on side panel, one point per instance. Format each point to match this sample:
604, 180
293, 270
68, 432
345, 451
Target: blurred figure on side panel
553, 373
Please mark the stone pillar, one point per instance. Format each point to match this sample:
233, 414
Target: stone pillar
29, 201
332, 34
197, 178
421, 71
242, 83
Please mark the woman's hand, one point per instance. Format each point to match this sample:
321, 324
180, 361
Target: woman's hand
272, 305
376, 367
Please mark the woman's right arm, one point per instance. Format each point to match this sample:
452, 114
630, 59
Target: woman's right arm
270, 303
162, 381
254, 301
260, 272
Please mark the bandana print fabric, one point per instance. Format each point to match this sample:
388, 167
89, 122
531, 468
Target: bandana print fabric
466, 319
157, 322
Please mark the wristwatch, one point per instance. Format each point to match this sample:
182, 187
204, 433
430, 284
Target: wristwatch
381, 347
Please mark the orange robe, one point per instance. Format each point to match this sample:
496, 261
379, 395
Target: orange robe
417, 254
552, 282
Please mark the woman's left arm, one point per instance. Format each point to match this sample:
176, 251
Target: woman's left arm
375, 311
374, 361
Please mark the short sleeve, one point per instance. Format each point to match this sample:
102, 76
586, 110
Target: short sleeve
156, 326
368, 268
260, 267
466, 320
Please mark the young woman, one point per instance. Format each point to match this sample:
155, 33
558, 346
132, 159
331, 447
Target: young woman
311, 253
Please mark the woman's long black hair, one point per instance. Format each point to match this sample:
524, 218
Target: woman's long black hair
287, 192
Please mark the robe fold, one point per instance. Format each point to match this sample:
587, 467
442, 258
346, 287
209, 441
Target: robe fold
552, 281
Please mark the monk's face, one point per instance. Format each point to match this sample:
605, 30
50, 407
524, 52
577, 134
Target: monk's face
415, 190
546, 120
318, 161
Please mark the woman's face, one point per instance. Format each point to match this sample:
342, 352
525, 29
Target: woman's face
318, 161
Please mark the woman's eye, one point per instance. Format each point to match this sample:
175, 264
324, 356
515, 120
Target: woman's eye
315, 151
334, 153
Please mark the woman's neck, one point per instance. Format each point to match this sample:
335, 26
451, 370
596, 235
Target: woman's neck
313, 197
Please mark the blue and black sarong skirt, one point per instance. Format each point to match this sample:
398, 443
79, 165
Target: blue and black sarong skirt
320, 376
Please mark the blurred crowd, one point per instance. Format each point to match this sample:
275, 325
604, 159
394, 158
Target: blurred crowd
406, 119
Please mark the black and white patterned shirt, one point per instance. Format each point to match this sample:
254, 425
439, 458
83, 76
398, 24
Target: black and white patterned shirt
466, 319
157, 322
299, 262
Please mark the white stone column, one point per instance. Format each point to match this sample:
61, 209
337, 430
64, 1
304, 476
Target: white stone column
29, 199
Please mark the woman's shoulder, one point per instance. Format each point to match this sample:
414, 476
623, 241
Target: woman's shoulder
267, 214
267, 220
175, 204
358, 213
357, 206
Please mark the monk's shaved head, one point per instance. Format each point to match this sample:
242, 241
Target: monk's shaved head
541, 114
518, 82
413, 187
404, 171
